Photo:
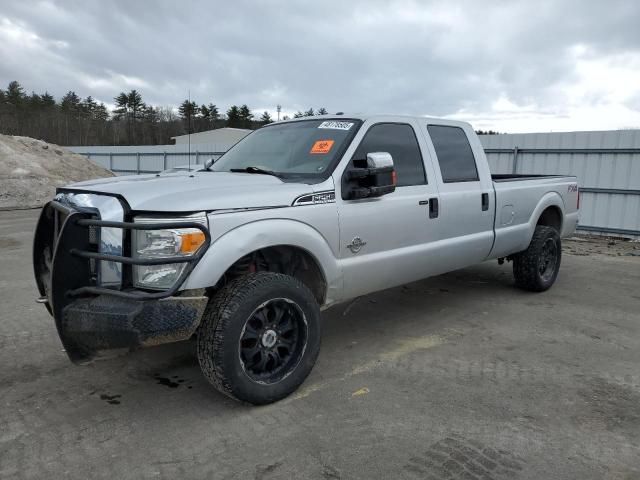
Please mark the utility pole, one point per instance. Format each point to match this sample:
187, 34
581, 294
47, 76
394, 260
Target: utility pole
279, 108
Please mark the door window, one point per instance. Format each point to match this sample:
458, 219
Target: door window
454, 153
400, 141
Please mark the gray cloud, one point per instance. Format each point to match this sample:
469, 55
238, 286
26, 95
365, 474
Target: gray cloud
406, 57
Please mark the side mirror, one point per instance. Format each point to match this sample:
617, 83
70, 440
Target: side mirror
371, 178
209, 162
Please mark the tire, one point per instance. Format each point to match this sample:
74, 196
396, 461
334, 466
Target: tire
536, 268
259, 337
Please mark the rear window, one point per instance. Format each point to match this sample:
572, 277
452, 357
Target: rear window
455, 157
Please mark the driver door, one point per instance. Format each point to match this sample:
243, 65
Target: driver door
383, 240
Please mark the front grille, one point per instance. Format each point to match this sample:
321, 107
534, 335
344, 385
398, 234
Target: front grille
93, 234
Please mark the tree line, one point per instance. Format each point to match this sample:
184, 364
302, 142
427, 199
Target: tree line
72, 120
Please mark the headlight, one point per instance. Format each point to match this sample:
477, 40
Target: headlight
162, 244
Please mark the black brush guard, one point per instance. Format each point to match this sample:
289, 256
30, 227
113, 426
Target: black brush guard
90, 318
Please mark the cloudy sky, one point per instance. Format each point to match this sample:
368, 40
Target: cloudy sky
514, 66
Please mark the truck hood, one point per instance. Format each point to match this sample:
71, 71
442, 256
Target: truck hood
199, 191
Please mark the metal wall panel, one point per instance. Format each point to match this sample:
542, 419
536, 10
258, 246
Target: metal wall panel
133, 159
607, 164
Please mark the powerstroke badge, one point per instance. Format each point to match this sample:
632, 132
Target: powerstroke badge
356, 245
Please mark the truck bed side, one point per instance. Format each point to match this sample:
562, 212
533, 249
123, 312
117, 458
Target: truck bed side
523, 201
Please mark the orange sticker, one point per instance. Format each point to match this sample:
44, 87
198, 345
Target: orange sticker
321, 146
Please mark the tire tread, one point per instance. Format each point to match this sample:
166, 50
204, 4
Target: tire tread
525, 263
218, 316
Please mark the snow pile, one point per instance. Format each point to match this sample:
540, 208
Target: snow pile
30, 171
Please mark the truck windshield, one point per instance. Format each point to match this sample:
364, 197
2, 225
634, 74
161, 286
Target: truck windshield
306, 148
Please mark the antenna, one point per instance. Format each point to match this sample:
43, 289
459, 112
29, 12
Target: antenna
189, 126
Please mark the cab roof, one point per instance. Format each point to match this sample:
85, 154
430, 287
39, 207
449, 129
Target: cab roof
379, 117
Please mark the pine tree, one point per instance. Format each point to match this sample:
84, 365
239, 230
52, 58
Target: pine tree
122, 105
70, 103
187, 110
298, 114
47, 100
15, 95
309, 113
88, 107
204, 112
246, 116
233, 117
101, 112
214, 114
135, 104
265, 119
34, 102
322, 111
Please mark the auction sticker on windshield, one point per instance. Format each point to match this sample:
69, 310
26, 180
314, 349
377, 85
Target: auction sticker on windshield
321, 147
336, 125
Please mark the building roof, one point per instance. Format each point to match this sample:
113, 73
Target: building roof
238, 132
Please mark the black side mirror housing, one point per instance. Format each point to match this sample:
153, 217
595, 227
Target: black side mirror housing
371, 178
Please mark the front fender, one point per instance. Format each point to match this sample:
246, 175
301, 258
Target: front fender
249, 237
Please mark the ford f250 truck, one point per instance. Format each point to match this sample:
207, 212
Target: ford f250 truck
297, 216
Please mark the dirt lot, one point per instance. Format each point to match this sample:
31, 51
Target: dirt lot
459, 376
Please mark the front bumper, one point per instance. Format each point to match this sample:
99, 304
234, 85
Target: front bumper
94, 324
90, 317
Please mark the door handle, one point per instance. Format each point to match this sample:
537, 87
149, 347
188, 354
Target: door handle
485, 201
433, 208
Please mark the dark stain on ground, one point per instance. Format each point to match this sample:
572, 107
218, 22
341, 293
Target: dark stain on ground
172, 382
111, 399
167, 382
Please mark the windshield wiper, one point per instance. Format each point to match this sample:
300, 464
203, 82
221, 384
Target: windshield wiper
255, 170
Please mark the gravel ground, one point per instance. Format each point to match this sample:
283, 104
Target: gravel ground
458, 376
593, 245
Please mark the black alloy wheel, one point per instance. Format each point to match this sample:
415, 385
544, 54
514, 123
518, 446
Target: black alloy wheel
273, 340
259, 337
548, 259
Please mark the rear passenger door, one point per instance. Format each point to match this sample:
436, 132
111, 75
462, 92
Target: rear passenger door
466, 197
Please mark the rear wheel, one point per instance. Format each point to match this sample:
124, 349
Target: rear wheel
260, 337
537, 267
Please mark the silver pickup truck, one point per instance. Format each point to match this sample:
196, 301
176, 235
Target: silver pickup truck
296, 217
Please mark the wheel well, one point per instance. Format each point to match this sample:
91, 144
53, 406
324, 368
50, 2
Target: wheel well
551, 217
287, 259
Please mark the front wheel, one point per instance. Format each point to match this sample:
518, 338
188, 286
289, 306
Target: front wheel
537, 267
259, 337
